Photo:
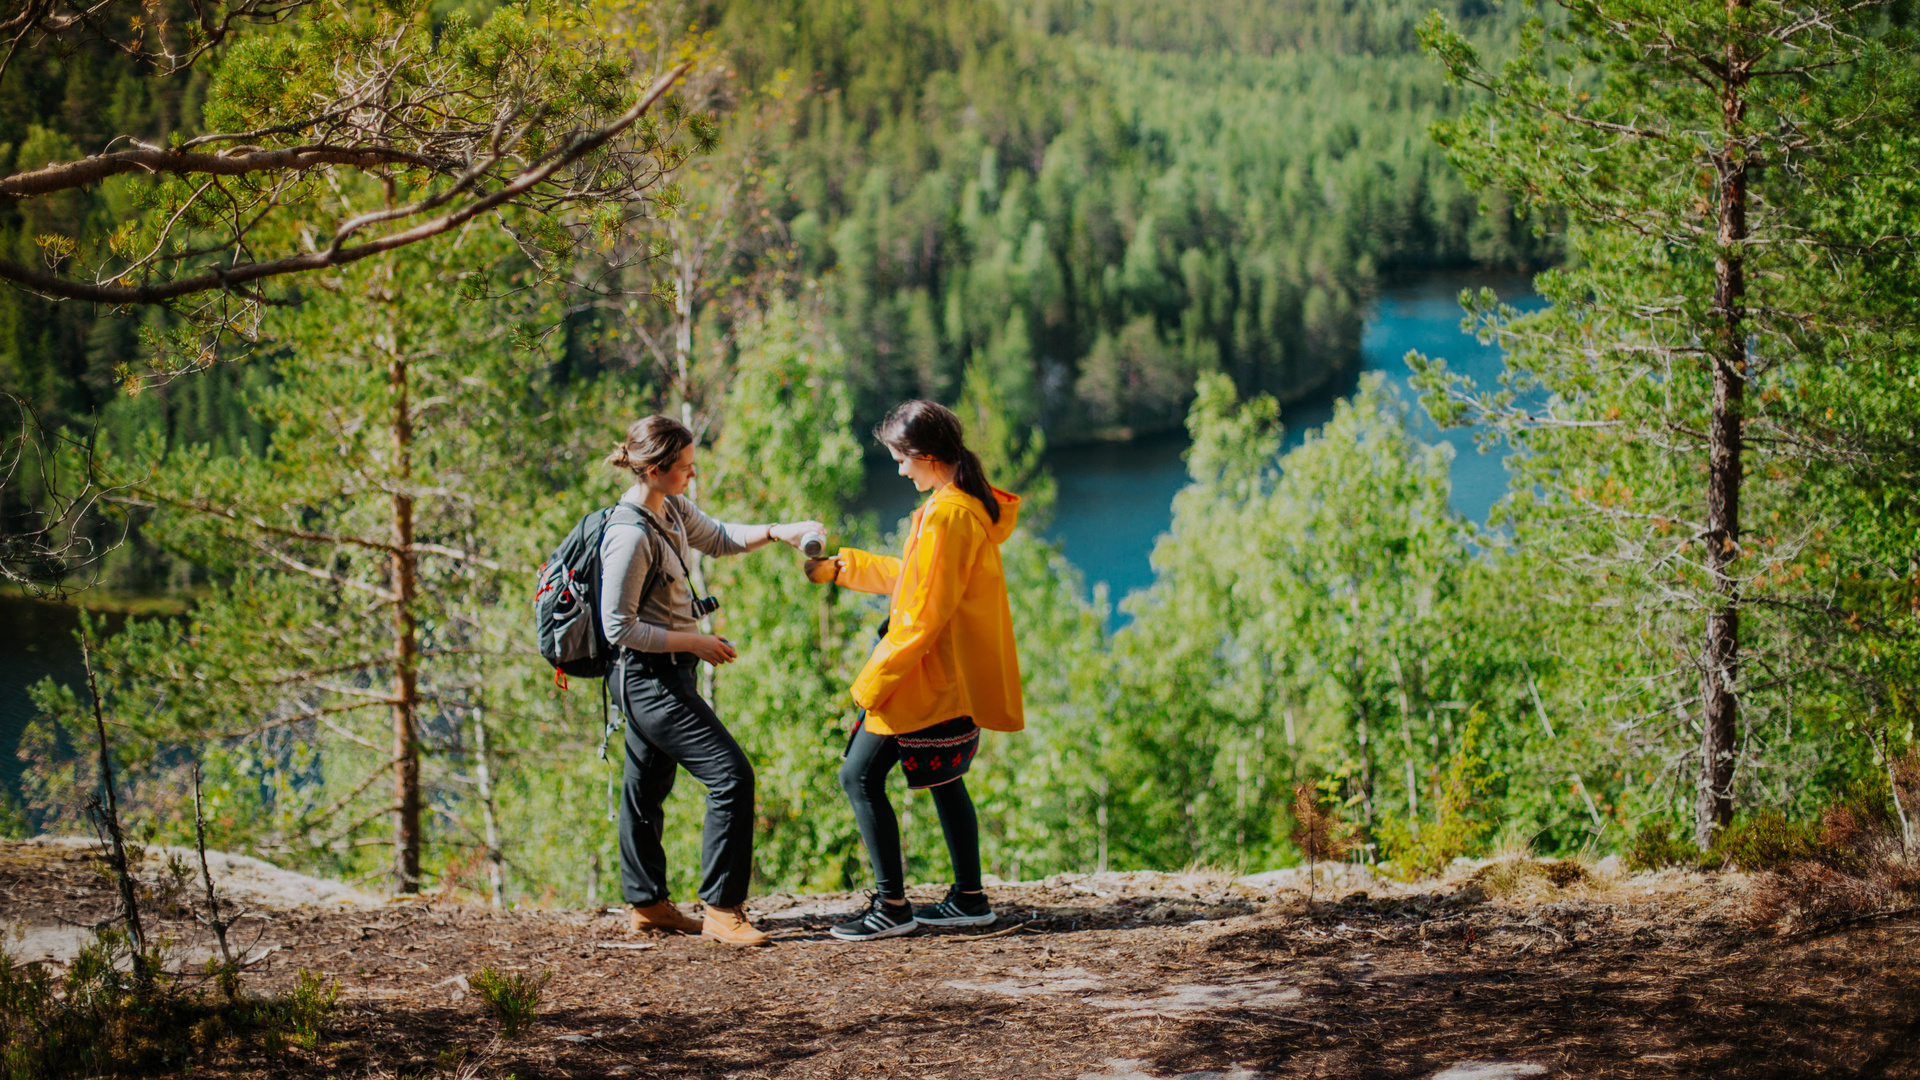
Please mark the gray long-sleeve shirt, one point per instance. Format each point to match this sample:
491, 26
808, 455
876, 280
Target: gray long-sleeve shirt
626, 557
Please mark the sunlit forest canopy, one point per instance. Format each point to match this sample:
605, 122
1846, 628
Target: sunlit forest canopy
1097, 202
1092, 203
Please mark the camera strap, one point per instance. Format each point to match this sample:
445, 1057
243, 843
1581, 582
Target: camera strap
686, 571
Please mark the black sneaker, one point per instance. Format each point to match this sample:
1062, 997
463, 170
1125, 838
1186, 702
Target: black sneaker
958, 909
880, 920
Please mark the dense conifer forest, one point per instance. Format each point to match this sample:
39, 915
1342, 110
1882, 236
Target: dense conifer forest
1090, 204
1687, 636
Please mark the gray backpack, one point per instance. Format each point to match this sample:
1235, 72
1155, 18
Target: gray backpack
566, 597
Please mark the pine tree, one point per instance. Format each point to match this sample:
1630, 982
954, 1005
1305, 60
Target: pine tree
373, 564
1672, 398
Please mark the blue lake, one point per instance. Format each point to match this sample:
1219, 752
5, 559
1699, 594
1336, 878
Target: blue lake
1116, 498
36, 640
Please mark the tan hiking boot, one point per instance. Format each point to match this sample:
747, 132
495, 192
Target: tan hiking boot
729, 926
660, 918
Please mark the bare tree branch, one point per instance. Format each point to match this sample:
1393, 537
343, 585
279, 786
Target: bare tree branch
233, 277
66, 176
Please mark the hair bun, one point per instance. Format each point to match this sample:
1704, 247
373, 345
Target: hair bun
652, 442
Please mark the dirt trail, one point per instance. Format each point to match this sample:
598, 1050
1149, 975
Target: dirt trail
1111, 977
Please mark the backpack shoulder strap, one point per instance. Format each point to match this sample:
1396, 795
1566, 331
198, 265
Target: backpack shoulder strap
633, 515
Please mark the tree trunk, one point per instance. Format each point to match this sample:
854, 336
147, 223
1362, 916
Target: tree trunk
406, 647
1720, 708
496, 870
1406, 736
110, 819
687, 255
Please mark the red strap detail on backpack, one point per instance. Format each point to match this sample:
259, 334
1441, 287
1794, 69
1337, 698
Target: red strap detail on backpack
560, 678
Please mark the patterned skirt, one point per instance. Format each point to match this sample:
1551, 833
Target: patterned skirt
933, 756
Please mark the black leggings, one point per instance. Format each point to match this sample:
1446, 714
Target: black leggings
863, 775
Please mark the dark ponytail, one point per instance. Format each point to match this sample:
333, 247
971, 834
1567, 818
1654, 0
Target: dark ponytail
927, 429
972, 479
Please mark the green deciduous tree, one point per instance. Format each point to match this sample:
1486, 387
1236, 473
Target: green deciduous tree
1318, 612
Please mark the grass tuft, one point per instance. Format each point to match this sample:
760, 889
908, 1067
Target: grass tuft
1507, 878
1655, 847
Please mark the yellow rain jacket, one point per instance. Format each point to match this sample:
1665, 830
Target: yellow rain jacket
949, 646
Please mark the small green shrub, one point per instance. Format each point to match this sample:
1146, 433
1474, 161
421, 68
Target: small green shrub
26, 1002
1765, 841
1654, 847
1856, 861
1459, 825
99, 1021
225, 977
171, 893
308, 1008
514, 999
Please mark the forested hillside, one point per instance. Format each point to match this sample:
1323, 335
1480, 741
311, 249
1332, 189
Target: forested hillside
1096, 208
1088, 202
67, 360
1689, 636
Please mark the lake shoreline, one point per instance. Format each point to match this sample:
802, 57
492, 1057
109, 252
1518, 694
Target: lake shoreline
1115, 497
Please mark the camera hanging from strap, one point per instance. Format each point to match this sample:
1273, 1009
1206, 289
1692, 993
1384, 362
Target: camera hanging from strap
702, 606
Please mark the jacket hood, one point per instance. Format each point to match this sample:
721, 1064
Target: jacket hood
997, 531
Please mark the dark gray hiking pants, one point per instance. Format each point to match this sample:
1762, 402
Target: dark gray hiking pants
668, 726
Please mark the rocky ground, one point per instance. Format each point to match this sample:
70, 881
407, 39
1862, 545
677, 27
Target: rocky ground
1513, 970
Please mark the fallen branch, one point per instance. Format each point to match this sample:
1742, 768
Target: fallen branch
981, 937
1827, 928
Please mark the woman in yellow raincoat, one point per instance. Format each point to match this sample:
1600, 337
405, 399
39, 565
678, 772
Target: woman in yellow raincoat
945, 666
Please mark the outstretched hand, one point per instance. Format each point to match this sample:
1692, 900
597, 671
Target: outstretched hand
823, 571
790, 533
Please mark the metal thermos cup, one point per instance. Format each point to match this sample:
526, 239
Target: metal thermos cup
813, 545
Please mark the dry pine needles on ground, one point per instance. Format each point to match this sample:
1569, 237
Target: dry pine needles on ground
1121, 975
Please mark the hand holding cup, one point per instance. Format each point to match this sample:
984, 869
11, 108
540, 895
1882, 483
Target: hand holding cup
795, 534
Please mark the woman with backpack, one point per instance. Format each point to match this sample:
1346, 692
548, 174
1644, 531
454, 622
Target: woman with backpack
649, 610
944, 669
